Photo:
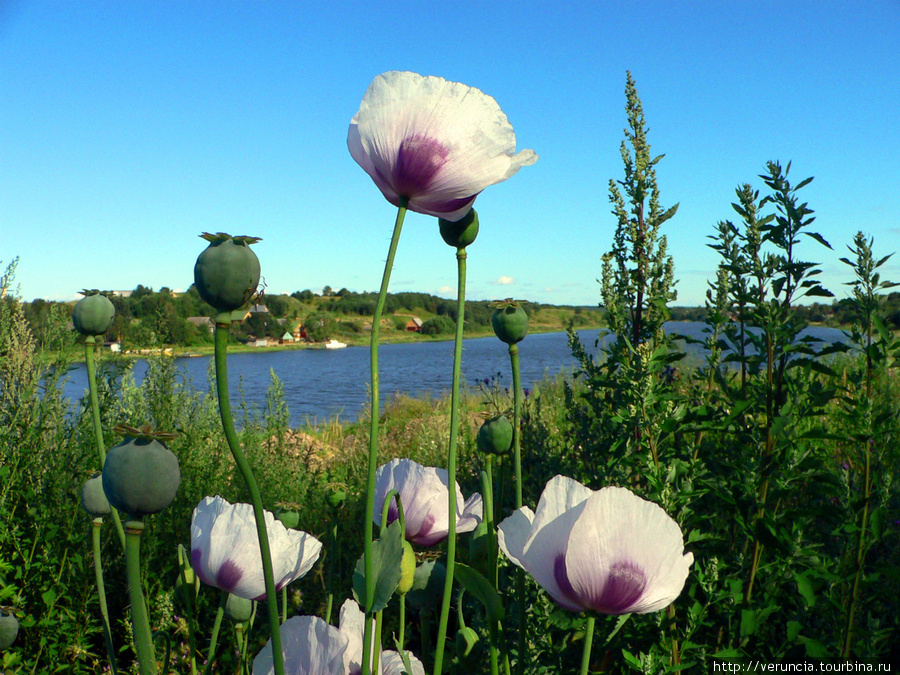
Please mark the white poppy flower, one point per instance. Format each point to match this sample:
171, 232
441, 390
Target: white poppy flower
423, 494
605, 551
312, 647
435, 142
225, 549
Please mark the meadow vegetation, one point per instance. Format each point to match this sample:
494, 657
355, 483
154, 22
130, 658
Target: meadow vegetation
776, 455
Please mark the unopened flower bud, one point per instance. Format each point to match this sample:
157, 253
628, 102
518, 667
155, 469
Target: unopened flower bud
459, 233
407, 569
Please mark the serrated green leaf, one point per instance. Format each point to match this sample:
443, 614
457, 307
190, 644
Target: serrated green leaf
621, 621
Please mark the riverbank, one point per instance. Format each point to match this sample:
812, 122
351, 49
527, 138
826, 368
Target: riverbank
551, 322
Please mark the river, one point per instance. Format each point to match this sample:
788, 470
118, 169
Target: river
320, 384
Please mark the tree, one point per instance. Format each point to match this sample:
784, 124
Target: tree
320, 327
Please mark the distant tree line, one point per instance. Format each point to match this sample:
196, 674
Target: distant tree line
838, 313
146, 317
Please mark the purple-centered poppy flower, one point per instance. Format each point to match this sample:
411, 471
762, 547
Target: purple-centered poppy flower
437, 143
606, 551
225, 549
423, 494
312, 647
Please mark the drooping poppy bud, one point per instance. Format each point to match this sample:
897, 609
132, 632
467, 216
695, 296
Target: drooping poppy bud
459, 233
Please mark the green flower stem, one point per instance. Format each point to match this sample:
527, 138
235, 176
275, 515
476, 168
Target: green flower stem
223, 323
89, 343
487, 492
517, 419
401, 638
517, 462
425, 634
143, 638
369, 525
101, 591
284, 604
588, 641
451, 460
332, 556
379, 616
214, 637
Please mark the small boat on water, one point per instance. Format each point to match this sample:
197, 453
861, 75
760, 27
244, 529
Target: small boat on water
335, 344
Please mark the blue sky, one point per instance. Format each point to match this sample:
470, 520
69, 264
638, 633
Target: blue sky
128, 128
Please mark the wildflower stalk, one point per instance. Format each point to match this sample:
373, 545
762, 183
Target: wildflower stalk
101, 592
369, 525
451, 459
223, 323
143, 638
588, 642
89, 343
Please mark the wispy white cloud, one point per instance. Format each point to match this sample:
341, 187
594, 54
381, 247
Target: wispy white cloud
504, 281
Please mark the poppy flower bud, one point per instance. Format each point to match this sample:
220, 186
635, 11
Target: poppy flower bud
187, 585
466, 642
93, 498
238, 609
407, 569
459, 233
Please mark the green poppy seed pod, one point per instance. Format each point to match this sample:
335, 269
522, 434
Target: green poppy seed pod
227, 272
93, 314
337, 496
459, 233
93, 498
141, 476
510, 324
290, 519
495, 436
238, 609
407, 569
9, 629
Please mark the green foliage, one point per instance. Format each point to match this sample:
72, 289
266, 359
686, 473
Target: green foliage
438, 325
